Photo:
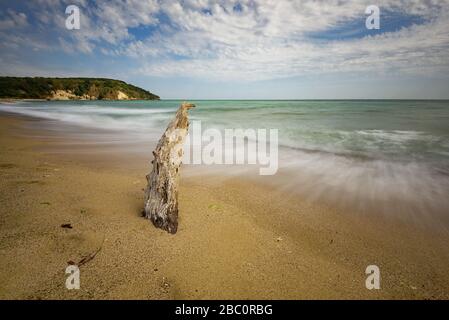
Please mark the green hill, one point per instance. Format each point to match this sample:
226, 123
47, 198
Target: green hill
71, 89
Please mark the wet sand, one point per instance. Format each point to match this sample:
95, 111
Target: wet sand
238, 238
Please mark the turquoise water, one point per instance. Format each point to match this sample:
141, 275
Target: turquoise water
394, 130
378, 151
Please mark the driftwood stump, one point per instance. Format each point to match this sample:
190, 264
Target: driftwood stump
161, 195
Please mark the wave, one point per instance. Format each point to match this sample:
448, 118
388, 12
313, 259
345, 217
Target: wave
125, 120
358, 163
303, 136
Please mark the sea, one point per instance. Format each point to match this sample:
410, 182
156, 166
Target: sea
389, 156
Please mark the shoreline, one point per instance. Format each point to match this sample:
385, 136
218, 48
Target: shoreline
9, 100
237, 238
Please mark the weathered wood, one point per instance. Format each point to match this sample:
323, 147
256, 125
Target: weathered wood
161, 195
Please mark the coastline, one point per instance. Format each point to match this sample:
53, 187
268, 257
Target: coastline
12, 100
237, 239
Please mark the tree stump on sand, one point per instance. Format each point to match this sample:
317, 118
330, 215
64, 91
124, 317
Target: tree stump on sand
161, 195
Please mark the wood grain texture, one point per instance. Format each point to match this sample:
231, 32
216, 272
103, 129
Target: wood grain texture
161, 195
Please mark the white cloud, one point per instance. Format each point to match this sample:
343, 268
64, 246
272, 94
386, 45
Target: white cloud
262, 40
269, 41
13, 20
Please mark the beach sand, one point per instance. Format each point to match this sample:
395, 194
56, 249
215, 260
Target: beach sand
237, 238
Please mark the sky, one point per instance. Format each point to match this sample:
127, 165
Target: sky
205, 49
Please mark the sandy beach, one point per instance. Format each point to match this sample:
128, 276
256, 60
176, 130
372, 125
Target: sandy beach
238, 238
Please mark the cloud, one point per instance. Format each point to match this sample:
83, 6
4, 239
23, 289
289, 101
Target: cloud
239, 40
269, 40
13, 20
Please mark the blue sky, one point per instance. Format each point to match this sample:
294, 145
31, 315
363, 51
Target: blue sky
236, 49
